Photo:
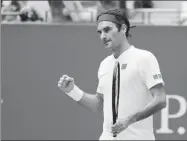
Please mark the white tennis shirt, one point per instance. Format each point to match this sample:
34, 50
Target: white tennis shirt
139, 71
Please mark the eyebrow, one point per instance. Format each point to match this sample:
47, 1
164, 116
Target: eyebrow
107, 27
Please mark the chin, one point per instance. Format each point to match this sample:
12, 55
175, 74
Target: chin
108, 47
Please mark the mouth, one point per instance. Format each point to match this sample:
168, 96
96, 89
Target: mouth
106, 42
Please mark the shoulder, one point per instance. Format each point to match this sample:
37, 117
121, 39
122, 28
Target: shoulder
147, 60
144, 55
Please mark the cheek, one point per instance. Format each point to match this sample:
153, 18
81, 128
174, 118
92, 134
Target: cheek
116, 39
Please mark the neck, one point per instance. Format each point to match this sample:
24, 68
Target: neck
120, 49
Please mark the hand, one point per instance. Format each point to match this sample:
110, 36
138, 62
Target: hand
119, 126
66, 83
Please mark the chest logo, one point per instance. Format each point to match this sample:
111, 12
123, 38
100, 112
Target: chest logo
123, 66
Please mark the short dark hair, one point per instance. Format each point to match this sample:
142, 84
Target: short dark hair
120, 15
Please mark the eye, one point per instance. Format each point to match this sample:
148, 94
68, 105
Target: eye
106, 30
99, 32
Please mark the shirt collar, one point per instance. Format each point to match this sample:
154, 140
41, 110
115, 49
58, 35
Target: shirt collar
124, 53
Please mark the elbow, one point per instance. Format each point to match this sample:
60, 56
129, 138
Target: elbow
162, 103
97, 109
94, 109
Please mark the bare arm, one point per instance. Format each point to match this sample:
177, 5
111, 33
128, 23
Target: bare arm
92, 102
149, 66
156, 104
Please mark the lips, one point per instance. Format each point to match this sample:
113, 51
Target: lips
105, 42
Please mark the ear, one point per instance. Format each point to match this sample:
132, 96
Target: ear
123, 28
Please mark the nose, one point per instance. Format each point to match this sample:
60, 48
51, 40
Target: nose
103, 36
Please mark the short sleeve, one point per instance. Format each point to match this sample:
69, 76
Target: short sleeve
150, 70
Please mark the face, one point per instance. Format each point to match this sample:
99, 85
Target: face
109, 34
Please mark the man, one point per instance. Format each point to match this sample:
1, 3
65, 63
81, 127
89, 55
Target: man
11, 6
141, 85
30, 13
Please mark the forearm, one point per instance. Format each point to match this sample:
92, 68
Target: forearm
155, 105
151, 108
91, 102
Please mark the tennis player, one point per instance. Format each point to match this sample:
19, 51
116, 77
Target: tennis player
141, 85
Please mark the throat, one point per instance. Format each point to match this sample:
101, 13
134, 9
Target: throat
119, 51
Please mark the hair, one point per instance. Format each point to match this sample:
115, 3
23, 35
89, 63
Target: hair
16, 4
120, 15
24, 16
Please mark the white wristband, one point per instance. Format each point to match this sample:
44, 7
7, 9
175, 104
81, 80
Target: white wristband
76, 93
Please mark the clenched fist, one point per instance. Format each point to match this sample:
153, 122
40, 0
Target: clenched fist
66, 83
